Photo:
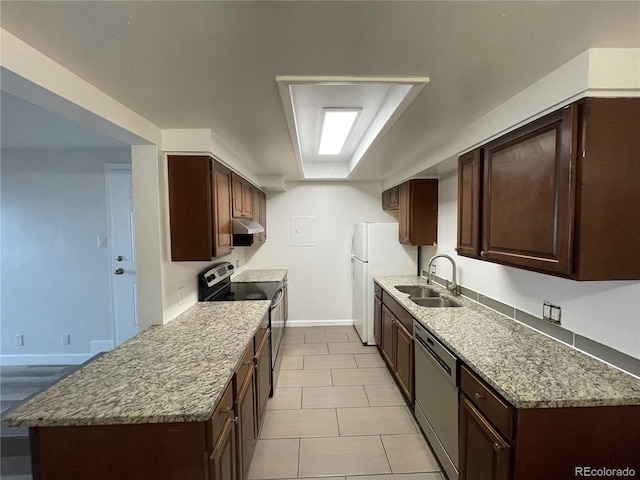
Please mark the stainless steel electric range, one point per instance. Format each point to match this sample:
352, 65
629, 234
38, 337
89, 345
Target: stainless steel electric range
215, 285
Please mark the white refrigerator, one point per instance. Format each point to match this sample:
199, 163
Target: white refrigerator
375, 250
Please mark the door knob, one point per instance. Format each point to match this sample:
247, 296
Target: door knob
119, 271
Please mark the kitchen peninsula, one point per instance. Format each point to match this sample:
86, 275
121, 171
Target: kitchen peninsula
147, 406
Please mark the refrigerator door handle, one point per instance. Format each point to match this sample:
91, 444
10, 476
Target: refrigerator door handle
353, 281
353, 234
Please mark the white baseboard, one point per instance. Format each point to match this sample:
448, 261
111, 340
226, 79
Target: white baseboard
319, 323
51, 359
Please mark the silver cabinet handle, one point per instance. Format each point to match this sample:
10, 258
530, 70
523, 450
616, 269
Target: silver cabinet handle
119, 271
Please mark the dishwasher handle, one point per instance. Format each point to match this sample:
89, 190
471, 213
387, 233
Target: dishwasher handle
438, 353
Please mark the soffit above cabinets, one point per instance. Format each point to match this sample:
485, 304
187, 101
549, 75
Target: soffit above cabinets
379, 102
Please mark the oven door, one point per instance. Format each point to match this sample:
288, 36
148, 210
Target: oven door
276, 316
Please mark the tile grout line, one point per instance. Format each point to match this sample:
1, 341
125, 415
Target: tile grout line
386, 455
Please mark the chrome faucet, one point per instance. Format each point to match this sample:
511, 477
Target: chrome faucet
451, 286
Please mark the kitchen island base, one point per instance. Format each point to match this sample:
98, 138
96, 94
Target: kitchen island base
168, 451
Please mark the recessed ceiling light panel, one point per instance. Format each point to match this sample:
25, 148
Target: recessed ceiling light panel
337, 124
330, 136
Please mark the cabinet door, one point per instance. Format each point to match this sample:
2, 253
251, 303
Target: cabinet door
390, 199
404, 213
469, 196
247, 199
377, 320
263, 215
245, 408
484, 454
190, 197
259, 212
222, 462
237, 196
403, 367
529, 195
387, 344
418, 212
221, 208
263, 378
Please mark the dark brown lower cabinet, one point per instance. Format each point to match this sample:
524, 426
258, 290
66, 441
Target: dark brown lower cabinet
223, 459
388, 340
151, 451
396, 347
498, 441
486, 455
403, 365
245, 408
377, 320
263, 378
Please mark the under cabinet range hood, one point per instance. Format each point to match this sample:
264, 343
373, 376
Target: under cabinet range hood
243, 226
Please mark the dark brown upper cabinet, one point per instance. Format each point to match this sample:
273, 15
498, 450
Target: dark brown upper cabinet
259, 208
418, 212
390, 199
242, 197
199, 208
560, 194
469, 198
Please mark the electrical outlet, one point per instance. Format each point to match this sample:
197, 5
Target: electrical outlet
19, 340
65, 339
551, 313
180, 295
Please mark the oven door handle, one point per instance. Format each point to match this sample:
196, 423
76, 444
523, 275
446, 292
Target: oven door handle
277, 299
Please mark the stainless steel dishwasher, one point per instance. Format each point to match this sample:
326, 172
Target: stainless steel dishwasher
436, 388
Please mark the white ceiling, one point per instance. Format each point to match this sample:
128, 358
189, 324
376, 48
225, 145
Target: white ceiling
212, 64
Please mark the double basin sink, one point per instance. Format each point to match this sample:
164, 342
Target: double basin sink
426, 297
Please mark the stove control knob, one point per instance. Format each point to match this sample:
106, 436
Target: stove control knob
119, 271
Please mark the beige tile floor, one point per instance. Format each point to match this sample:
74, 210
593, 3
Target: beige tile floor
336, 412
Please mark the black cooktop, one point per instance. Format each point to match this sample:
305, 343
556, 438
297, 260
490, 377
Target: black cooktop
214, 285
246, 291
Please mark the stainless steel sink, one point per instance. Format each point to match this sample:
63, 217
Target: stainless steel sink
416, 291
434, 302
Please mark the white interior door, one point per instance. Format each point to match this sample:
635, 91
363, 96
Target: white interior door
122, 252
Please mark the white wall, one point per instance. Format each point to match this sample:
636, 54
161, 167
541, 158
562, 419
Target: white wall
607, 312
319, 275
54, 277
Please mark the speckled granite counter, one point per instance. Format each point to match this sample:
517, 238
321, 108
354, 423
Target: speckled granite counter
529, 369
171, 373
260, 275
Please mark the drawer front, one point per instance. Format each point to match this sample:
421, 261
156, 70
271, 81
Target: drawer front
220, 415
377, 290
401, 314
492, 406
243, 369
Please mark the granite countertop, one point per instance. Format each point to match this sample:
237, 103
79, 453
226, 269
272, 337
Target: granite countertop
260, 275
171, 373
528, 369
